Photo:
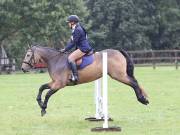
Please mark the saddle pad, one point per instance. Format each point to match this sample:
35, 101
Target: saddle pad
86, 60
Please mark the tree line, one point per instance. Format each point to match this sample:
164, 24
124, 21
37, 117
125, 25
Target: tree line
118, 24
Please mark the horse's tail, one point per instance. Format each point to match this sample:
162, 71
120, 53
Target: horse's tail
130, 64
130, 69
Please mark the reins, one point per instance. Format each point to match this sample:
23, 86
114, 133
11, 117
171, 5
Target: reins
59, 53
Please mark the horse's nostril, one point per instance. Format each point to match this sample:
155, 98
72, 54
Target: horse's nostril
23, 70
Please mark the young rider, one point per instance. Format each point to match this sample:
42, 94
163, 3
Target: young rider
79, 41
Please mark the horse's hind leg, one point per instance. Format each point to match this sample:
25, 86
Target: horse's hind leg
140, 94
41, 89
131, 81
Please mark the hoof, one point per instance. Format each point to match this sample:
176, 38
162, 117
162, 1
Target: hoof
43, 112
143, 100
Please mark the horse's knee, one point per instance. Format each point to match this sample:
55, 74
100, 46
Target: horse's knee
57, 85
43, 87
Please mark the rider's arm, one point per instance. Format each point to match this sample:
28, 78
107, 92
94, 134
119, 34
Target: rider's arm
69, 46
74, 40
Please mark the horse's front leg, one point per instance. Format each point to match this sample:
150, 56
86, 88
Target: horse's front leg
41, 89
54, 88
48, 95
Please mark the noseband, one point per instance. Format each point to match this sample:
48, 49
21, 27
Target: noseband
31, 62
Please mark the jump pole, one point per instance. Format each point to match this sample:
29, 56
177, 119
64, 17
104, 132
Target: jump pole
99, 116
105, 126
98, 99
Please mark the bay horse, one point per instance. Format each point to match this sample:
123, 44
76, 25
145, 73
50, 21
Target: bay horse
120, 68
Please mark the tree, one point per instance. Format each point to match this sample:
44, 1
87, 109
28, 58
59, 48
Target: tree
135, 25
167, 35
42, 21
121, 23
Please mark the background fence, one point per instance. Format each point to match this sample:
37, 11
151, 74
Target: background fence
156, 58
7, 65
152, 58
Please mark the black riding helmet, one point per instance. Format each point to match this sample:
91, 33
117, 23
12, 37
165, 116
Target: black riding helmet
73, 18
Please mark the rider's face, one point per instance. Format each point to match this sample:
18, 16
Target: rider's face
70, 24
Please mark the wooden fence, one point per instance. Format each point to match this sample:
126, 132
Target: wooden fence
156, 58
152, 58
7, 65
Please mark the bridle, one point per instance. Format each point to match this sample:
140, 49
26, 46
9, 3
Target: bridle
31, 61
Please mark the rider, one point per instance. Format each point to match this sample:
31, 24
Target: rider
79, 41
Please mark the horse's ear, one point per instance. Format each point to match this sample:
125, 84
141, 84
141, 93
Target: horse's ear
29, 46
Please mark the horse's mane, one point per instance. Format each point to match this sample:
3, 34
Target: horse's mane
49, 49
37, 45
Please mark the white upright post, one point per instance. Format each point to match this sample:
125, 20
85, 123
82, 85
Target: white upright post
98, 99
105, 90
98, 102
105, 126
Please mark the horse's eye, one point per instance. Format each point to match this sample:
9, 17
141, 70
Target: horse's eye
28, 55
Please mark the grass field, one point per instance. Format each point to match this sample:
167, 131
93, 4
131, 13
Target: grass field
20, 114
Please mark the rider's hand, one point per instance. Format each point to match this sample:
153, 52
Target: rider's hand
62, 50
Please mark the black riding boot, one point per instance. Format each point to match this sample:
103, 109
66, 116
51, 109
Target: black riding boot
74, 71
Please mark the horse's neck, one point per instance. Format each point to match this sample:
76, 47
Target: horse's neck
50, 57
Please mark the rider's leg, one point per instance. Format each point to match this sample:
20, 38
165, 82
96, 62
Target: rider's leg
77, 54
78, 62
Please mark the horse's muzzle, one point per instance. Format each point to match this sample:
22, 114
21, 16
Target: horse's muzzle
24, 70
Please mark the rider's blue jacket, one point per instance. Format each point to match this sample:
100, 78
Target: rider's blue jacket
79, 40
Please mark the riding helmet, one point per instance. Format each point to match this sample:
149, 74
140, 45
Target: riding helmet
73, 18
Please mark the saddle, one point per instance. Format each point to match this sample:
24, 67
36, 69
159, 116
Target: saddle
86, 60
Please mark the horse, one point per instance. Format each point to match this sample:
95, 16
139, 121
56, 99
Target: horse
120, 68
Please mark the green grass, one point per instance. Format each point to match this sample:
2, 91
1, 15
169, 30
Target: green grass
20, 114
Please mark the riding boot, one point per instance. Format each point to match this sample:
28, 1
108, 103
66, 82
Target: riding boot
74, 72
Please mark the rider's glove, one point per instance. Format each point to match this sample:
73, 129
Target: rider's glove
62, 50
